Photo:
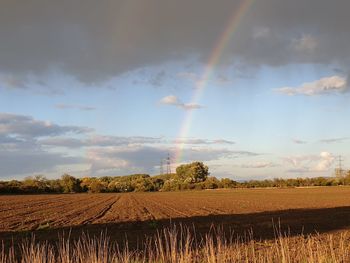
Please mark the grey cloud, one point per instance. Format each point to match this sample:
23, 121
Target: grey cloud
96, 40
110, 141
145, 158
99, 141
223, 141
14, 164
27, 126
21, 151
258, 165
334, 140
158, 79
74, 106
201, 141
237, 154
298, 141
22, 154
62, 142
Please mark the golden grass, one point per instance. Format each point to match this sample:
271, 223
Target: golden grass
180, 244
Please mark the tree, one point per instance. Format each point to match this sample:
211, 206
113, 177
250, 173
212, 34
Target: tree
211, 183
195, 172
228, 183
70, 184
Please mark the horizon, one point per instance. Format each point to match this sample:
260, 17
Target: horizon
253, 89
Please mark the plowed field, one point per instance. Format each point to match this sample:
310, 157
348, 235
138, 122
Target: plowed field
301, 209
29, 212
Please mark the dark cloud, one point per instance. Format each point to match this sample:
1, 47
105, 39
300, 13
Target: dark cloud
96, 40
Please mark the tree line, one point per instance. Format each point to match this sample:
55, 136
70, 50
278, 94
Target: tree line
193, 176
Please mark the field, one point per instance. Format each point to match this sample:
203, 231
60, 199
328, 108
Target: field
136, 216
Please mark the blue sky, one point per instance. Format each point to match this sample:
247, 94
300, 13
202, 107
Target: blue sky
96, 99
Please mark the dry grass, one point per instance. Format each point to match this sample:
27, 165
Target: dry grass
180, 244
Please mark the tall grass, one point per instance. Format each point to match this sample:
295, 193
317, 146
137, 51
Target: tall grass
179, 244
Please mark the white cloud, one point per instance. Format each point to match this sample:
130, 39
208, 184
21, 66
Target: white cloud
325, 162
170, 100
322, 86
174, 101
311, 163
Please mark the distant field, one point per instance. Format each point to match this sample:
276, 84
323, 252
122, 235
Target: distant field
31, 212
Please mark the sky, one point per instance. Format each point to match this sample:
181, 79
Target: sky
256, 89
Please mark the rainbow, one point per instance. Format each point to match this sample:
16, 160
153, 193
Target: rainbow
212, 62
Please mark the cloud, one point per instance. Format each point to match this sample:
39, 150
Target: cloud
334, 140
21, 125
238, 154
21, 152
12, 82
74, 106
311, 163
223, 141
174, 101
129, 159
99, 141
193, 77
319, 87
298, 141
170, 100
98, 40
258, 165
306, 43
325, 162
261, 32
19, 163
201, 141
158, 79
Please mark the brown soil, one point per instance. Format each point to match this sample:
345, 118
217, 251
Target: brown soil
306, 210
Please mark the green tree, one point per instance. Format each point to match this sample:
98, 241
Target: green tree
228, 183
211, 183
70, 184
195, 172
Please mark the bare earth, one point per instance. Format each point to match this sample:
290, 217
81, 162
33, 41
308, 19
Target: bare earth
306, 210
